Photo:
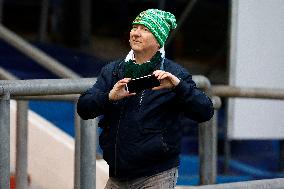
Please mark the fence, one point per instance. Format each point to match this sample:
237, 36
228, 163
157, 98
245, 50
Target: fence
258, 184
85, 164
243, 92
36, 54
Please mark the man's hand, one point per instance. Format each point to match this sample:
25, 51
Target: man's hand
118, 91
167, 80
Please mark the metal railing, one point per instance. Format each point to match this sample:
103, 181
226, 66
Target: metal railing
85, 169
68, 89
36, 54
44, 60
4, 74
258, 184
21, 139
242, 92
246, 92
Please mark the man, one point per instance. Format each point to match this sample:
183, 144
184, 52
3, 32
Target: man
141, 131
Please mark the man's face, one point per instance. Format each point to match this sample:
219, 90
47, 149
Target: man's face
141, 39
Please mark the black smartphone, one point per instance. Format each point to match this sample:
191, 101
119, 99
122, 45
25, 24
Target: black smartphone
139, 84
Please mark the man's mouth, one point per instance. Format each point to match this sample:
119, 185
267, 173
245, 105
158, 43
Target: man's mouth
136, 41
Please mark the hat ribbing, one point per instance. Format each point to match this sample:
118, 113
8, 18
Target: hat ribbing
159, 22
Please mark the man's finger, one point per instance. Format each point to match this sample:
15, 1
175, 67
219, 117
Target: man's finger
157, 88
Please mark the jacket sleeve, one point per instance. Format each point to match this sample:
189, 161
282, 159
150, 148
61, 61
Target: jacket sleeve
194, 102
95, 101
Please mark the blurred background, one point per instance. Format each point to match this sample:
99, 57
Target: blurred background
102, 28
213, 38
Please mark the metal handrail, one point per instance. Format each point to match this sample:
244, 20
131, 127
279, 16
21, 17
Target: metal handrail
37, 88
36, 54
246, 92
46, 61
4, 74
22, 137
257, 184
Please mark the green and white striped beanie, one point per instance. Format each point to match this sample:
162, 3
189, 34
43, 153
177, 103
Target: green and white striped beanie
159, 22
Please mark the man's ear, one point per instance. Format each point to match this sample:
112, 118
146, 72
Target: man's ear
158, 45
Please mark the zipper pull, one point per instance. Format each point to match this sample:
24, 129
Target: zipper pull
141, 98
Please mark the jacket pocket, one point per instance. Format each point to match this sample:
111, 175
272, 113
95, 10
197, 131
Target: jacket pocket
104, 138
152, 146
106, 145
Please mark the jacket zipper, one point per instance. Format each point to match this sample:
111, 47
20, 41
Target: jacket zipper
141, 98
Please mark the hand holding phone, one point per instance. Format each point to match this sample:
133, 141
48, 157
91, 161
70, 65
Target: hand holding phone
139, 84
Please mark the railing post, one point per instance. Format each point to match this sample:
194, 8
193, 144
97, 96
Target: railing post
22, 145
208, 147
207, 152
207, 140
214, 145
88, 154
227, 144
77, 150
5, 141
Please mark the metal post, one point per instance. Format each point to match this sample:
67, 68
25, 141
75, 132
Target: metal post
5, 141
227, 145
207, 139
88, 154
207, 152
22, 145
77, 150
43, 20
214, 146
232, 23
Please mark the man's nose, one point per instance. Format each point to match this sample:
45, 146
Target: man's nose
137, 32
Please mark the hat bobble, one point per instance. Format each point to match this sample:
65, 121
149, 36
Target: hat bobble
159, 22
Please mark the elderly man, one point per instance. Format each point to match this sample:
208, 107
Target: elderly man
141, 130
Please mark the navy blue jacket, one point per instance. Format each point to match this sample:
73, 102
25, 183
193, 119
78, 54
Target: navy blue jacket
141, 134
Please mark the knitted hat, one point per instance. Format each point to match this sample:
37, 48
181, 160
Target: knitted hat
159, 22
